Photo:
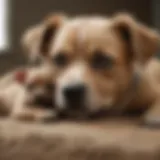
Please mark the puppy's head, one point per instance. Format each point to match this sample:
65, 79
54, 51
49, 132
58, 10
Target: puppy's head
38, 86
95, 59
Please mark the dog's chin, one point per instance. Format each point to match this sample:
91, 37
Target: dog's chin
84, 114
77, 114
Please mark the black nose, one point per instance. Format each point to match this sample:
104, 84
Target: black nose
74, 95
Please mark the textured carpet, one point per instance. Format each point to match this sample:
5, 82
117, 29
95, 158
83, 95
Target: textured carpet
103, 140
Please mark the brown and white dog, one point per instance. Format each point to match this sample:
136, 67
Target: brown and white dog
27, 94
103, 63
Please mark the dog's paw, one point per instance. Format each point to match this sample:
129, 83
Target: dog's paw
24, 117
46, 116
35, 115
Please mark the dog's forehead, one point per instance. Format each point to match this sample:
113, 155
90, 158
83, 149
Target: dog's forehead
80, 31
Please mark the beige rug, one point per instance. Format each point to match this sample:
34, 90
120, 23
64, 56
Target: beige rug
103, 140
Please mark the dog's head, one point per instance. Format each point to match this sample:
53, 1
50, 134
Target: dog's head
38, 85
95, 58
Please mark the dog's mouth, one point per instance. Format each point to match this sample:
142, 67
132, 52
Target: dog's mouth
83, 114
74, 112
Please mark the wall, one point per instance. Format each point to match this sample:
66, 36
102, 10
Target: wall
156, 13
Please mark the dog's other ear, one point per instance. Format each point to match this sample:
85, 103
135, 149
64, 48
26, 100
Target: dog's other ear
30, 41
142, 42
36, 40
52, 23
20, 76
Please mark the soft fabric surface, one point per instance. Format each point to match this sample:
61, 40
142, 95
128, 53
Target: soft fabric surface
103, 140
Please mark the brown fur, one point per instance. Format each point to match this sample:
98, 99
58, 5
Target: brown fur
33, 37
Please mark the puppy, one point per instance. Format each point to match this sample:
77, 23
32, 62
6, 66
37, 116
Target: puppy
104, 64
29, 96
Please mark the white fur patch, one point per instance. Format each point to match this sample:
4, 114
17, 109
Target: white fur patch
73, 76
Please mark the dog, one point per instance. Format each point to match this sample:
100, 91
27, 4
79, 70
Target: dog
103, 63
28, 95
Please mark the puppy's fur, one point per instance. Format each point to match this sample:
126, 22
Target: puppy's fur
33, 39
112, 57
27, 94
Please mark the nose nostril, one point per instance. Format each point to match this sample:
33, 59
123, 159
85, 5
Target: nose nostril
74, 94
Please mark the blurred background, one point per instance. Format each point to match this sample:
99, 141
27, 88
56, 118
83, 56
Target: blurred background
17, 15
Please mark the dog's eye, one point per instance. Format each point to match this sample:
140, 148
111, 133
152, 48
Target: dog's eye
60, 60
101, 61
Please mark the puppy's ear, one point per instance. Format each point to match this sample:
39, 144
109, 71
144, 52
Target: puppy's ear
30, 41
36, 40
141, 41
20, 76
52, 24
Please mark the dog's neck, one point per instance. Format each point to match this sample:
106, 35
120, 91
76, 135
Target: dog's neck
129, 94
140, 93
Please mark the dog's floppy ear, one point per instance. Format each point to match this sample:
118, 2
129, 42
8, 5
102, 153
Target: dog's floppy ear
36, 40
30, 41
52, 24
142, 42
